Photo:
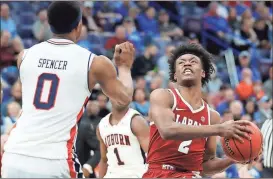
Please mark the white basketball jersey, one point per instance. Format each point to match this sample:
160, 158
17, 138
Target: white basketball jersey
54, 76
123, 149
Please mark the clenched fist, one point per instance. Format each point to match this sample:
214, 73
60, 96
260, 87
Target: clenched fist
124, 55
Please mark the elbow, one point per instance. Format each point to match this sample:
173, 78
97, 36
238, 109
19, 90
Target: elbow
126, 100
166, 133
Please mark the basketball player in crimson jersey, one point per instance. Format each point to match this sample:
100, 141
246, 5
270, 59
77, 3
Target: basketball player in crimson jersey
183, 127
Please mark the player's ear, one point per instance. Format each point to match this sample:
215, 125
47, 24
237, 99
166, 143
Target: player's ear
174, 77
203, 74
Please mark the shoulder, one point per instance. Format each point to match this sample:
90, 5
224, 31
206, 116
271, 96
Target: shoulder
162, 97
214, 116
138, 124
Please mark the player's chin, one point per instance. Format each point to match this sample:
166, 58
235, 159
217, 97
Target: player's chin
188, 81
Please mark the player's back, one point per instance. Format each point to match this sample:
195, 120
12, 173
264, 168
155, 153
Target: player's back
185, 156
54, 76
124, 154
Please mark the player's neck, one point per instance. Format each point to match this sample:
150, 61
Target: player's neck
65, 36
192, 95
117, 115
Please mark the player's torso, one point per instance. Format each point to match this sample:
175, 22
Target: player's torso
54, 76
123, 148
186, 155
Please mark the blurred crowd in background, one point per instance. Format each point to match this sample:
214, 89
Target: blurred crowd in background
156, 28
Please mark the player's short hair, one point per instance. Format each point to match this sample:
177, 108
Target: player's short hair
64, 16
197, 50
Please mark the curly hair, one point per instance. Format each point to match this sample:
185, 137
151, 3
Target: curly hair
199, 51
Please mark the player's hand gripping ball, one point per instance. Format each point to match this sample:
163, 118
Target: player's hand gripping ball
247, 151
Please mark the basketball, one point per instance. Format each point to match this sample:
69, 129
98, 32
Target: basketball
247, 151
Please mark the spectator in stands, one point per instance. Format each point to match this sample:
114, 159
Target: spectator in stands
124, 8
7, 22
222, 9
215, 83
141, 83
245, 36
87, 144
265, 111
145, 64
102, 100
258, 91
41, 28
218, 97
227, 115
262, 29
167, 29
216, 26
140, 102
156, 82
7, 51
132, 34
133, 13
244, 62
247, 15
229, 96
162, 64
120, 37
16, 92
251, 108
83, 41
268, 84
87, 17
147, 22
13, 112
245, 88
236, 108
233, 19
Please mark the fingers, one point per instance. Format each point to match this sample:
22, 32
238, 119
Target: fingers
118, 49
238, 138
244, 129
243, 122
242, 134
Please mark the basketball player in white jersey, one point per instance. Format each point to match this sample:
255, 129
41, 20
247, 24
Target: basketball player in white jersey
57, 78
122, 134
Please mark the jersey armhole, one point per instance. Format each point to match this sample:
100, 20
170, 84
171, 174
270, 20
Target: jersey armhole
25, 51
90, 60
134, 115
174, 99
209, 110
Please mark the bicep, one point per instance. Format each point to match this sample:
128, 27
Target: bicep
103, 148
141, 130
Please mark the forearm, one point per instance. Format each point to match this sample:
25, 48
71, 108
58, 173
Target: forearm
102, 168
126, 79
216, 165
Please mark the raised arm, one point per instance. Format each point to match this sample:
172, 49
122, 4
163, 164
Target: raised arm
118, 88
103, 159
161, 114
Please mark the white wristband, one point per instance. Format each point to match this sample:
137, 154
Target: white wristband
88, 168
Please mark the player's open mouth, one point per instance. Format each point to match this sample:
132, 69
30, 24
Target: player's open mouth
188, 71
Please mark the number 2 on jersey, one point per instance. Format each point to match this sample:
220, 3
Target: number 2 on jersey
184, 146
54, 83
118, 158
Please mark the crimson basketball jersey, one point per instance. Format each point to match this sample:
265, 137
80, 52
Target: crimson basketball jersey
186, 155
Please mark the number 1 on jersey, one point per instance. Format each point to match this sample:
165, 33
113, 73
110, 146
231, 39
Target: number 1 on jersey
184, 146
54, 83
118, 158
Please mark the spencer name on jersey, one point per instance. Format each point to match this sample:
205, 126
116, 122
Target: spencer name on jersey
52, 64
117, 139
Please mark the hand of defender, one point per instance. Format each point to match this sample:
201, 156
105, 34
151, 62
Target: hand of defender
235, 129
124, 55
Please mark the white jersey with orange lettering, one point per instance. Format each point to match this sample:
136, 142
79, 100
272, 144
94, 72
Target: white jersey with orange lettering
54, 77
124, 155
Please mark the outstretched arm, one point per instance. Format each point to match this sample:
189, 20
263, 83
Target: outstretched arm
141, 130
118, 88
162, 115
103, 160
212, 164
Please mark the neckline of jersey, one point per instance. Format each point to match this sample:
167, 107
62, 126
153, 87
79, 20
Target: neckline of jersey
188, 105
120, 119
60, 41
